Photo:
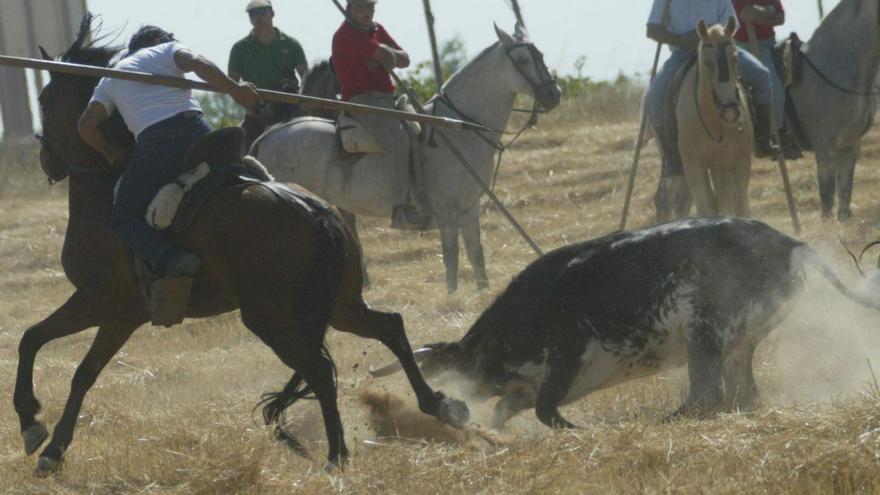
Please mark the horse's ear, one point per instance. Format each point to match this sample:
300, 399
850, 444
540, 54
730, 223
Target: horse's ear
730, 27
503, 37
45, 54
703, 30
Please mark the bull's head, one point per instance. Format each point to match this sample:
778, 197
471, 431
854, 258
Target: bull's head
433, 359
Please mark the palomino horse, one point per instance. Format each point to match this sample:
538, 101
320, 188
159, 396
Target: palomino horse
835, 96
715, 128
289, 270
306, 151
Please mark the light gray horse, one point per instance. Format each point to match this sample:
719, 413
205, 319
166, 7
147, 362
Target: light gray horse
833, 99
306, 150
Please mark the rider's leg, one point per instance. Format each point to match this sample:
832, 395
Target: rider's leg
758, 78
671, 184
155, 162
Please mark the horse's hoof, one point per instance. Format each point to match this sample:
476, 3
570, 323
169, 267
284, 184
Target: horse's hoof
453, 412
46, 466
335, 465
33, 437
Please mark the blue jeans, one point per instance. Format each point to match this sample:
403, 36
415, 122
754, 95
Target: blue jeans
753, 71
766, 49
157, 160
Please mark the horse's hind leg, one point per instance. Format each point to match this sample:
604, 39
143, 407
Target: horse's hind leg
825, 172
357, 318
108, 341
449, 241
73, 316
846, 167
470, 231
351, 221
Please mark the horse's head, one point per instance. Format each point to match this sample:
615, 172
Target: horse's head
718, 66
531, 74
62, 101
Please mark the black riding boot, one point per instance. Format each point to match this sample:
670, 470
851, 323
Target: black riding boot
764, 147
672, 199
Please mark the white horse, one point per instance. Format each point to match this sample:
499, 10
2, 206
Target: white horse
306, 150
834, 99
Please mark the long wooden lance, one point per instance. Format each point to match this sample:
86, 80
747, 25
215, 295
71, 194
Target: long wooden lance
177, 82
438, 69
780, 157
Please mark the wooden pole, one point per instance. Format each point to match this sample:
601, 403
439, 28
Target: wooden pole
640, 141
780, 160
176, 82
821, 10
438, 69
517, 12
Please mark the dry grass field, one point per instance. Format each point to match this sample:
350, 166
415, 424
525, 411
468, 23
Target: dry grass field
172, 413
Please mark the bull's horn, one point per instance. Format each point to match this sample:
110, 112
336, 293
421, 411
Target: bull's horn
396, 366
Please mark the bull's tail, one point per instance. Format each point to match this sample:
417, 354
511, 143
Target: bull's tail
811, 257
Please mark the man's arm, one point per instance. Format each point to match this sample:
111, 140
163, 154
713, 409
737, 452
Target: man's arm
766, 15
243, 93
87, 126
391, 58
662, 35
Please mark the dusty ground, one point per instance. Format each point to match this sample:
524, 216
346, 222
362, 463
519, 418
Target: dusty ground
173, 411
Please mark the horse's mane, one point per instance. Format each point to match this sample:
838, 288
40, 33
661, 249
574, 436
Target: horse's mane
459, 73
88, 49
316, 74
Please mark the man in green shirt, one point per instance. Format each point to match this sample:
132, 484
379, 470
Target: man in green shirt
269, 59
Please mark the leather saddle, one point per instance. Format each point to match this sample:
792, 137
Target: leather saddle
214, 161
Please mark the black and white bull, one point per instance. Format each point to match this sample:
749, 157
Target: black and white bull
701, 292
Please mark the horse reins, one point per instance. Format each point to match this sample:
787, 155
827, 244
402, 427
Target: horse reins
536, 110
718, 104
832, 83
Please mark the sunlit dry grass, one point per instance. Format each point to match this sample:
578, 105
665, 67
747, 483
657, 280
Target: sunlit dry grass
173, 411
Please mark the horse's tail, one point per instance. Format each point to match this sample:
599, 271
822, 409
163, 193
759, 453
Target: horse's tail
315, 308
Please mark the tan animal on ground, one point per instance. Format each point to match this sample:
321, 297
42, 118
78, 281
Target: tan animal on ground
715, 127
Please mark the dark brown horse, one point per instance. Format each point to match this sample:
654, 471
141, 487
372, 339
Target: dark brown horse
291, 272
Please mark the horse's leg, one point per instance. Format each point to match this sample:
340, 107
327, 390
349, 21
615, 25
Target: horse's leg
825, 167
742, 176
351, 220
108, 341
470, 231
352, 315
449, 241
73, 316
846, 167
725, 190
698, 182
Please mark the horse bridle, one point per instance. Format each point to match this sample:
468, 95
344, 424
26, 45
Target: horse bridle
538, 87
721, 106
72, 168
536, 108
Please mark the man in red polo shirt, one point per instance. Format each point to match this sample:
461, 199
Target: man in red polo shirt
363, 54
765, 15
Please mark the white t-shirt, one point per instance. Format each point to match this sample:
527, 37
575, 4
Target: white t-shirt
142, 105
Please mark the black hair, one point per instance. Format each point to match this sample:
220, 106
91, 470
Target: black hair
148, 36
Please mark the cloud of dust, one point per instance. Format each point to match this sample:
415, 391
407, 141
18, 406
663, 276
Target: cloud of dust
825, 349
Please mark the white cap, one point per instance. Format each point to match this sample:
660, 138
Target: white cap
256, 4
